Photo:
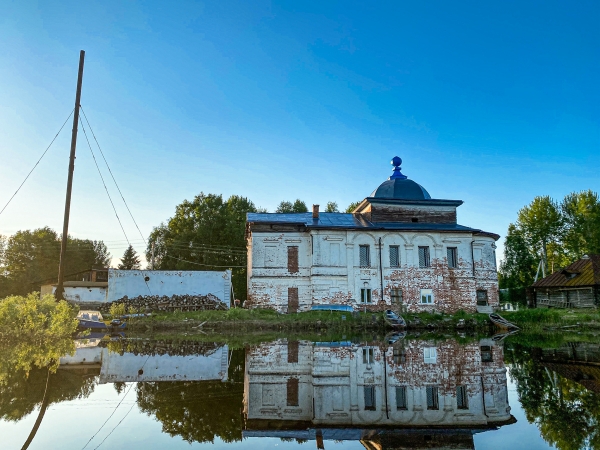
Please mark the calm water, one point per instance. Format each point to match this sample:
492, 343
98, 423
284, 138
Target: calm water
380, 394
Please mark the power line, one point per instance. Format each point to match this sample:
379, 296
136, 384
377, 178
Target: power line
102, 178
132, 384
38, 161
111, 174
200, 264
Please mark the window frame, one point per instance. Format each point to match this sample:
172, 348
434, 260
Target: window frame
426, 257
435, 398
462, 398
428, 294
396, 296
396, 248
368, 355
366, 296
367, 249
452, 262
372, 406
430, 355
401, 400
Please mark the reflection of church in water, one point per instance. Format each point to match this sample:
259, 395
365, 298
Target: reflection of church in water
410, 394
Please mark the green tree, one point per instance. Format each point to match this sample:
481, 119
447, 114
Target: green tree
130, 260
332, 207
519, 265
206, 233
540, 222
566, 413
198, 411
288, 207
581, 213
30, 258
352, 206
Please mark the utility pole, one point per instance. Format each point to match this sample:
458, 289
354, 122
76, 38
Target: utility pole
152, 260
63, 245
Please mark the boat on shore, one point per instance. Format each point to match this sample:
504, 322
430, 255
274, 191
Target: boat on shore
394, 320
502, 323
93, 320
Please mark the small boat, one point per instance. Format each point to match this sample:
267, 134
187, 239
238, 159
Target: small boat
394, 320
93, 320
332, 307
502, 323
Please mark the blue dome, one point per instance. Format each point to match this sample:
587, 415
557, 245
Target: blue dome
399, 187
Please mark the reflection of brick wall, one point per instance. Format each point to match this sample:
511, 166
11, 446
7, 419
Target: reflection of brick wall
352, 385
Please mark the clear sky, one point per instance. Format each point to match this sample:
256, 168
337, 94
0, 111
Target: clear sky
492, 103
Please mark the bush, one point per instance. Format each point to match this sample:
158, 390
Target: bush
34, 332
117, 309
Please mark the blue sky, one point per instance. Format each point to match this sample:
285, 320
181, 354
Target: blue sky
489, 102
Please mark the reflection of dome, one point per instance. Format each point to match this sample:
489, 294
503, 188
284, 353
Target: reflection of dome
399, 187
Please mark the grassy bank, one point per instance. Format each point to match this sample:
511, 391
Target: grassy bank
244, 320
257, 320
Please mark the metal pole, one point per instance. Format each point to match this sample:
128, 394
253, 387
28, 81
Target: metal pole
63, 244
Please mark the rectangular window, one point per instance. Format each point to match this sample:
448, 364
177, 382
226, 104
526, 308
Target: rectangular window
432, 397
365, 295
394, 256
365, 255
293, 301
292, 349
293, 259
452, 253
482, 298
368, 356
401, 397
369, 398
430, 355
292, 392
461, 397
399, 355
426, 296
424, 260
396, 296
486, 353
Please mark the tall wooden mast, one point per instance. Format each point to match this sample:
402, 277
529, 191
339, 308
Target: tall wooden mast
63, 245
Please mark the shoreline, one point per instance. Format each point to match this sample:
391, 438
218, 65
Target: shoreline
244, 320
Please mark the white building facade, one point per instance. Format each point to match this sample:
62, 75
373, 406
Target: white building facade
399, 248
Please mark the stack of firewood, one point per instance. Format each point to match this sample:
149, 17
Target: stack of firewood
153, 303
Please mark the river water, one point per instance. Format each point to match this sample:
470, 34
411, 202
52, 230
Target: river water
354, 393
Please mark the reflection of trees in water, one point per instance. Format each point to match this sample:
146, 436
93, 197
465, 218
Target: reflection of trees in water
22, 394
566, 413
198, 411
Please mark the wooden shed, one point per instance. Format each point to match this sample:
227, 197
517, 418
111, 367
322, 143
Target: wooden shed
577, 286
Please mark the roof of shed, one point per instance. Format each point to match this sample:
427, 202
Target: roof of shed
349, 221
82, 284
586, 270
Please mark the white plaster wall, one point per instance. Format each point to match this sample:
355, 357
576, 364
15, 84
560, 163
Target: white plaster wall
126, 367
330, 269
131, 283
92, 294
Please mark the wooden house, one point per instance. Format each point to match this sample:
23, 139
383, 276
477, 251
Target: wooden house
577, 286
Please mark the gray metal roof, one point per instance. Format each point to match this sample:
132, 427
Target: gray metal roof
401, 189
348, 221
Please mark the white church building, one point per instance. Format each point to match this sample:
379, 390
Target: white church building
399, 248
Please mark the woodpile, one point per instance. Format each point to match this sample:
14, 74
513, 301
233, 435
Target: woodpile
155, 303
164, 347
